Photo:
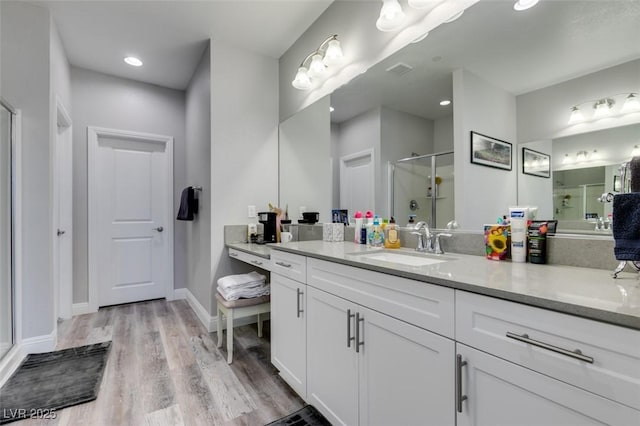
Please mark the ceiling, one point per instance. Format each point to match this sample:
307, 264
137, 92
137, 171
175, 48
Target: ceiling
170, 36
555, 41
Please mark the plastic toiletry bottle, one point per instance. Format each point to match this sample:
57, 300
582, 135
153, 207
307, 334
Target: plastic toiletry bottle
377, 238
412, 221
391, 239
518, 217
358, 217
368, 227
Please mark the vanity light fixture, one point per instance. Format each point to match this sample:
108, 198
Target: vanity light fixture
603, 107
576, 116
314, 66
133, 61
631, 103
636, 151
445, 102
582, 156
567, 159
391, 16
524, 4
454, 17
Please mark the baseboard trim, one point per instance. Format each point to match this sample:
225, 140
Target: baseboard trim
81, 309
209, 321
10, 363
37, 344
12, 360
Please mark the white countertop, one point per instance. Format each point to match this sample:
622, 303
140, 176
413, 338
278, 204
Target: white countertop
589, 293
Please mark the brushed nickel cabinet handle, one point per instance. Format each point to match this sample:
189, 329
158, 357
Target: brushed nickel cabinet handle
233, 254
256, 262
359, 343
460, 398
284, 265
349, 337
577, 353
298, 294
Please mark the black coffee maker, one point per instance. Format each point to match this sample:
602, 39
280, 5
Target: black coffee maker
268, 220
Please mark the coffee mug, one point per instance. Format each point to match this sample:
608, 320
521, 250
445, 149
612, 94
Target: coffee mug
286, 237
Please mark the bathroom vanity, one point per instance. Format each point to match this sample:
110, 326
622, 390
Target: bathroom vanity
398, 337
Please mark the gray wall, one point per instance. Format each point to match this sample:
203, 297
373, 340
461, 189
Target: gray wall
244, 144
197, 244
112, 102
24, 83
482, 193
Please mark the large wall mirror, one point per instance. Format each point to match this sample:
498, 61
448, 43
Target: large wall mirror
513, 76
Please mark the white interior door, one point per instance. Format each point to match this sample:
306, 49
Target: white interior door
357, 182
63, 216
130, 213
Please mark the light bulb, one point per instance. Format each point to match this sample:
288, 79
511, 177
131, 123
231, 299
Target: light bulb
333, 55
567, 159
631, 103
391, 16
316, 68
582, 156
302, 80
524, 4
636, 151
576, 116
603, 108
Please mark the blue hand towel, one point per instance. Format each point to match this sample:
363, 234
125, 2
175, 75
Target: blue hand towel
188, 206
626, 226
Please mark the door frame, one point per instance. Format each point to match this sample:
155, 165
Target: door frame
93, 135
62, 293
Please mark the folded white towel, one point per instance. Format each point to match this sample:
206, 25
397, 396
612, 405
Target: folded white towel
245, 293
240, 279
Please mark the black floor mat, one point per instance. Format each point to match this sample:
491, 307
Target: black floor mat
306, 416
50, 381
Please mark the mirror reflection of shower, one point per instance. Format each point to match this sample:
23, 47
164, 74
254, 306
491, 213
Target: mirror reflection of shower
6, 275
423, 187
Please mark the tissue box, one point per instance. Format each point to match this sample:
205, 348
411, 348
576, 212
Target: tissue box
497, 241
338, 232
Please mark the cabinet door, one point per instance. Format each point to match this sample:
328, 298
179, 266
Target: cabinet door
406, 374
288, 331
502, 393
332, 362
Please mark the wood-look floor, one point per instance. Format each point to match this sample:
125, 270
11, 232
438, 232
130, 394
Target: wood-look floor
164, 369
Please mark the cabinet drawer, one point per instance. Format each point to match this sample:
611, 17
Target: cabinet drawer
289, 265
425, 305
251, 259
546, 342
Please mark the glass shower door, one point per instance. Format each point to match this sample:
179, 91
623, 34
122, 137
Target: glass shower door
6, 281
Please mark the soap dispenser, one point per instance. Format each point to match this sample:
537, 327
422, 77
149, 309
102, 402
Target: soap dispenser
391, 239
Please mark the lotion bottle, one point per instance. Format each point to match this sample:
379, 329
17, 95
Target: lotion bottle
391, 239
358, 230
518, 217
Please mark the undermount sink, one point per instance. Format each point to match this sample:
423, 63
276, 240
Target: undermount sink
404, 258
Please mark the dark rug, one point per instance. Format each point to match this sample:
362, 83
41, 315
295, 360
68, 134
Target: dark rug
306, 416
50, 381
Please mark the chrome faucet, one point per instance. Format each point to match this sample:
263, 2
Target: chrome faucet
438, 247
425, 242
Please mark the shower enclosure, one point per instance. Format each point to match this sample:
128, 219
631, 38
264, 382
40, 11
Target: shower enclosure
422, 186
6, 241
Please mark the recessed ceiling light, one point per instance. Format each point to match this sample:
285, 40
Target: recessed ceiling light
445, 102
524, 4
331, 109
133, 61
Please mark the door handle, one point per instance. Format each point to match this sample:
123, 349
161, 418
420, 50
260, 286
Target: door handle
60, 232
159, 229
459, 396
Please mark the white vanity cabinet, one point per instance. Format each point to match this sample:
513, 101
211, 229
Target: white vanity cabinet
521, 365
289, 319
369, 368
